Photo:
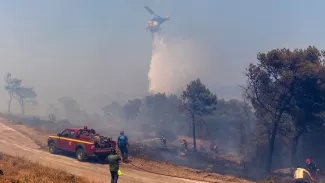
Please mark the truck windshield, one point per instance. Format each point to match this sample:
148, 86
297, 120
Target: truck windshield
65, 133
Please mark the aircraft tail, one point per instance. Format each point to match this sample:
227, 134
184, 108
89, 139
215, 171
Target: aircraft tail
168, 17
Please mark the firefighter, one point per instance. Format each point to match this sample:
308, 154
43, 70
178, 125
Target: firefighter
114, 160
163, 138
97, 140
123, 144
298, 176
184, 144
214, 148
311, 167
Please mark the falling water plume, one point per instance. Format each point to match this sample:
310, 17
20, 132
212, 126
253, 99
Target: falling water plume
173, 65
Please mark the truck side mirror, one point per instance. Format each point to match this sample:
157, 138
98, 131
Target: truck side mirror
58, 134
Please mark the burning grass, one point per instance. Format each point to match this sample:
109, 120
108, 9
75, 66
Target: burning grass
19, 170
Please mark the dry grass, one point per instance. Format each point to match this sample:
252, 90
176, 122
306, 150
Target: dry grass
40, 138
185, 172
19, 170
277, 179
154, 166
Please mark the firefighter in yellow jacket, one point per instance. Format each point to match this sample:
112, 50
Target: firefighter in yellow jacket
298, 176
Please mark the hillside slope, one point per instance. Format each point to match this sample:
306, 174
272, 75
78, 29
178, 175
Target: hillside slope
13, 142
17, 169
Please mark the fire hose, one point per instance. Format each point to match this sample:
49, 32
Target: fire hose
173, 176
162, 174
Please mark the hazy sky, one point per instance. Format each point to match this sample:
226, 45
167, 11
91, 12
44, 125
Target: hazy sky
99, 50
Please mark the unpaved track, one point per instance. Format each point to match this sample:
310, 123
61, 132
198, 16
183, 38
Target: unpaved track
14, 143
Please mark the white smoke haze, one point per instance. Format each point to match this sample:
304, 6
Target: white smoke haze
174, 64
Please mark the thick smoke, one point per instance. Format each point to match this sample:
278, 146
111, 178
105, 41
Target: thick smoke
173, 65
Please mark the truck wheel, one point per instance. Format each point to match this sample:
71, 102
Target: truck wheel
52, 148
81, 155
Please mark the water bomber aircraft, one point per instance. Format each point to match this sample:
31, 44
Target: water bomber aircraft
154, 24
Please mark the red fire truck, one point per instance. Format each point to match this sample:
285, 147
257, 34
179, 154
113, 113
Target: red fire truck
83, 142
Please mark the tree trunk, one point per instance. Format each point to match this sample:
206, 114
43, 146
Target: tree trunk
294, 146
271, 142
271, 149
194, 136
22, 105
9, 104
242, 137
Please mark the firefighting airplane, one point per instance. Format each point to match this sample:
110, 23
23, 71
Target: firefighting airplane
154, 24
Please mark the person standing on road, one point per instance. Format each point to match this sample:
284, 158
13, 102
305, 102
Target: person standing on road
114, 160
122, 144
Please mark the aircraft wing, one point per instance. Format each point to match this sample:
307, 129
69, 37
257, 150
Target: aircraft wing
149, 10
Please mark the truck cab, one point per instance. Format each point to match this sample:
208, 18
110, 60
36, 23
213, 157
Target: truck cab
82, 141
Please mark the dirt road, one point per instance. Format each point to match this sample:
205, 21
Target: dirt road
14, 143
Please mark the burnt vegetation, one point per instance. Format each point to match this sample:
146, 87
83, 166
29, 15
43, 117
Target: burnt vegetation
286, 90
281, 115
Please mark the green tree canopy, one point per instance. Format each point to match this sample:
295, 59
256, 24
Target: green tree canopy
285, 82
198, 100
11, 84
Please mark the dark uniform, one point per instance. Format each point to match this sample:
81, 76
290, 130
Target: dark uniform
184, 145
122, 142
311, 167
113, 161
163, 138
213, 148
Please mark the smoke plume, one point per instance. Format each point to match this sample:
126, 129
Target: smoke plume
173, 65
